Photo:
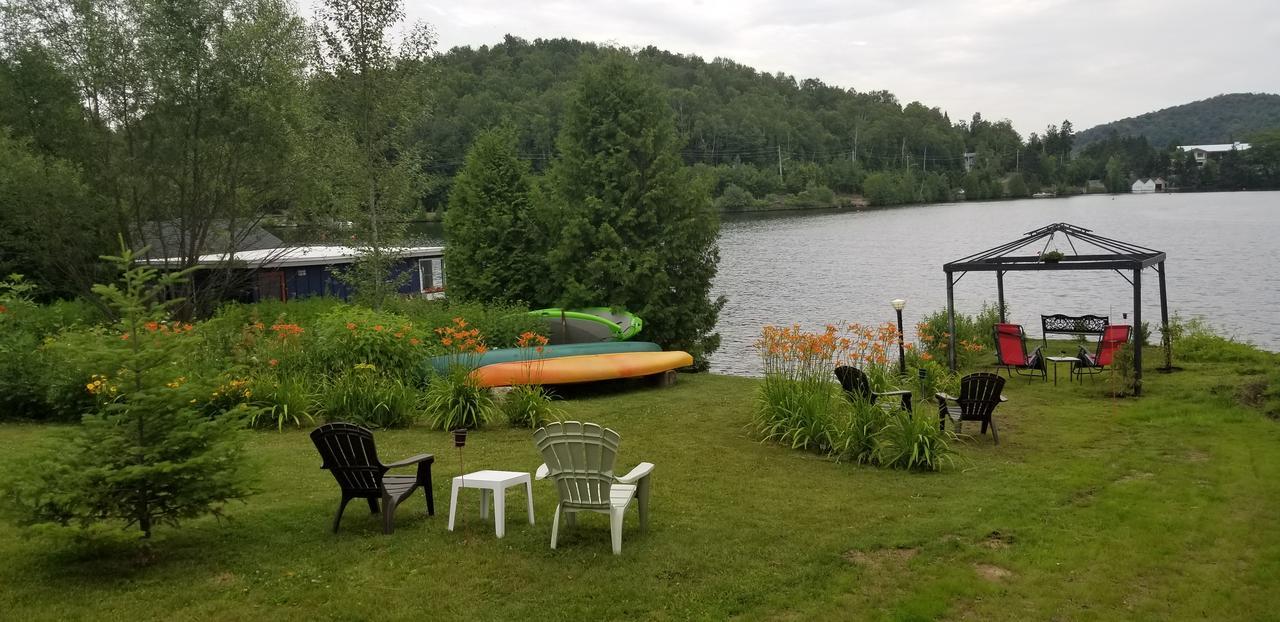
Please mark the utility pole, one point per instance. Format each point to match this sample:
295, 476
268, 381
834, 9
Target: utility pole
904, 153
1017, 159
854, 156
779, 160
926, 160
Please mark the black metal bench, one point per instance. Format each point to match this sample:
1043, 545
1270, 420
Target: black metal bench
1075, 325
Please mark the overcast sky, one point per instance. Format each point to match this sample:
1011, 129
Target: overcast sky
1034, 62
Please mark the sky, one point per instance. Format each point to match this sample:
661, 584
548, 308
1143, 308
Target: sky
1034, 62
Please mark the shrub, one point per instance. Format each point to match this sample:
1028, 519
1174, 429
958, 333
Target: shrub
501, 324
149, 455
914, 442
348, 336
528, 406
453, 400
973, 335
856, 430
362, 396
798, 395
284, 400
735, 199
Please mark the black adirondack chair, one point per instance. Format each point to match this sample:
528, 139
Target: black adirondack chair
349, 454
856, 385
979, 396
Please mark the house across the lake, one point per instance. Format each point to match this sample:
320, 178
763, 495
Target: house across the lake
304, 271
1202, 153
1147, 184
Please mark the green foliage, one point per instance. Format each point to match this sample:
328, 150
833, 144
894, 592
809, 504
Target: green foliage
350, 335
501, 324
454, 401
736, 199
914, 442
796, 412
974, 335
496, 250
51, 225
363, 396
1217, 119
856, 431
1017, 186
150, 455
528, 406
284, 400
637, 229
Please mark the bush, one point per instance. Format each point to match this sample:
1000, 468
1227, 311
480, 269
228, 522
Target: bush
362, 396
914, 442
974, 335
501, 324
855, 435
348, 336
736, 199
149, 455
528, 406
454, 401
283, 400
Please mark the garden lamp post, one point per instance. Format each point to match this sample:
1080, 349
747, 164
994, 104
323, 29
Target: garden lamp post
898, 305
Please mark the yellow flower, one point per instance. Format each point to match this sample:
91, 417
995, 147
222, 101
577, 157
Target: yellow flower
368, 366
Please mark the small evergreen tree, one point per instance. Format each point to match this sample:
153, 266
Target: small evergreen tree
636, 228
151, 454
495, 250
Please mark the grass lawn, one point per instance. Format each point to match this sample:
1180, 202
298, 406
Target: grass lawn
1091, 509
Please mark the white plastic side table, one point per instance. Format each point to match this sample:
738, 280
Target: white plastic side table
491, 484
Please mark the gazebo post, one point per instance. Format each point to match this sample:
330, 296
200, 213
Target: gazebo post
1000, 293
951, 322
1164, 320
1137, 331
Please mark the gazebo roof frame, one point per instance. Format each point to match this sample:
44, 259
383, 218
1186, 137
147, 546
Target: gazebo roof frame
1106, 254
1110, 254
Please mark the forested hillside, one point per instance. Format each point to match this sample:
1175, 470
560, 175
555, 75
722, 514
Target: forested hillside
1221, 119
766, 134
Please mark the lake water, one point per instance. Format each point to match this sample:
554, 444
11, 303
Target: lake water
1223, 264
839, 267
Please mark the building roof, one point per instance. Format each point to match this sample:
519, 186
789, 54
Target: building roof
1215, 148
167, 236
297, 256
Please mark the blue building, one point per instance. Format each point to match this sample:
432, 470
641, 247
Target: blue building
292, 273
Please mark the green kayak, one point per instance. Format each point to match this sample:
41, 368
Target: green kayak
589, 325
440, 364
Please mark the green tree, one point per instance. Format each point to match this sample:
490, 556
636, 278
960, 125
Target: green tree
51, 225
202, 104
374, 94
151, 454
636, 228
1017, 187
496, 251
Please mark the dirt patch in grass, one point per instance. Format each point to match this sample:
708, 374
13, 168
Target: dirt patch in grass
1132, 476
880, 558
992, 572
1197, 456
997, 541
223, 579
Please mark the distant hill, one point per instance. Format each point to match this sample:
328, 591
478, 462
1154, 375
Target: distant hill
1220, 119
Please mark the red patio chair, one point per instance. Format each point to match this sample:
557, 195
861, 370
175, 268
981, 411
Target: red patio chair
1113, 337
1011, 352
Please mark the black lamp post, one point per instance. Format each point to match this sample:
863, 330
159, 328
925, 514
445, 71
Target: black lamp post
898, 305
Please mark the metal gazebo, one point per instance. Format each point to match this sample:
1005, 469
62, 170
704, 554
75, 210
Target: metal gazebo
1101, 254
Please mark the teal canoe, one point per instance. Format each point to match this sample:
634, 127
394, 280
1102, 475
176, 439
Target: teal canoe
440, 364
589, 325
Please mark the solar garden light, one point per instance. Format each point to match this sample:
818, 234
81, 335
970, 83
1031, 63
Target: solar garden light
460, 441
898, 305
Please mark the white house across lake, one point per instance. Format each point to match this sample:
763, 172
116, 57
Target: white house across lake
1147, 184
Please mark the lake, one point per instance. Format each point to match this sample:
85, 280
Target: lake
839, 267
816, 268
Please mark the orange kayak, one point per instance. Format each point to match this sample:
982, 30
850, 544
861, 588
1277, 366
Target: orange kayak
586, 368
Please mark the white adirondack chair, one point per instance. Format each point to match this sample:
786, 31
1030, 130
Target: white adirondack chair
579, 459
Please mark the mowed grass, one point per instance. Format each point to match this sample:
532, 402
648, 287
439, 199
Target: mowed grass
1092, 508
